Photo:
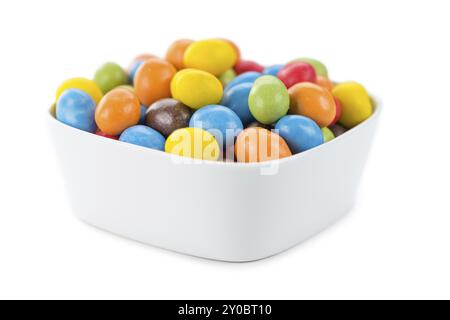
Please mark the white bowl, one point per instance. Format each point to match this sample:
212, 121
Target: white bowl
224, 211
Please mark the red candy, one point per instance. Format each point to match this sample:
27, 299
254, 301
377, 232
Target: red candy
297, 72
102, 134
247, 65
338, 112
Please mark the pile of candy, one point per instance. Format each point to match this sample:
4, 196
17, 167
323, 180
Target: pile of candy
203, 101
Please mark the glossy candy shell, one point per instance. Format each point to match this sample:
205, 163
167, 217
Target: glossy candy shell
214, 56
310, 100
268, 100
196, 88
152, 81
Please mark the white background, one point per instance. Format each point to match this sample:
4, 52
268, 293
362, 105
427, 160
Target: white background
394, 244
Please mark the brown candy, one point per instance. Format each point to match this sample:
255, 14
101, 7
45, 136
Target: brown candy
337, 129
256, 124
168, 115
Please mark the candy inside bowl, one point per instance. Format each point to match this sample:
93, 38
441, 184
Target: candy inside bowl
235, 168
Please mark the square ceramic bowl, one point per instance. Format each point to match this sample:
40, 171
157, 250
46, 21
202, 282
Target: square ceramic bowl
223, 211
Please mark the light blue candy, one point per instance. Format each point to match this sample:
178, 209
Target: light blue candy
273, 70
144, 136
220, 121
301, 133
134, 69
236, 98
245, 77
76, 109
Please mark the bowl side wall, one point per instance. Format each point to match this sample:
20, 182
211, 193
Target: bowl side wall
219, 211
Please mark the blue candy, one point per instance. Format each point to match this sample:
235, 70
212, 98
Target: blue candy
143, 114
144, 136
301, 133
236, 98
273, 70
250, 76
134, 69
220, 121
76, 109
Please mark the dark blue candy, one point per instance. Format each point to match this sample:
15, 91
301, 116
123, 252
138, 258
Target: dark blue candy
76, 109
220, 121
301, 133
143, 111
236, 98
143, 136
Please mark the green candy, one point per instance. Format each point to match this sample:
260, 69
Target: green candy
328, 135
227, 77
320, 68
268, 100
109, 76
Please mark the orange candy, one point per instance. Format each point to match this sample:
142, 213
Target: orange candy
312, 101
259, 145
152, 81
141, 57
118, 110
175, 53
325, 83
235, 47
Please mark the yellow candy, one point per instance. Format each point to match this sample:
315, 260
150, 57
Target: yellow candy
196, 88
355, 102
193, 143
83, 84
215, 56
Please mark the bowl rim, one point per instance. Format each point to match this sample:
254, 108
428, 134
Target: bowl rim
377, 107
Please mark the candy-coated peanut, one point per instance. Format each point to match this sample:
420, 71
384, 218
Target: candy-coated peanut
355, 103
196, 88
235, 47
227, 77
246, 77
248, 65
338, 112
273, 70
236, 98
320, 68
268, 100
134, 70
83, 84
324, 83
152, 81
328, 135
76, 109
168, 115
222, 122
175, 53
118, 110
310, 100
259, 145
297, 72
301, 133
193, 143
140, 58
109, 76
143, 136
337, 129
214, 56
